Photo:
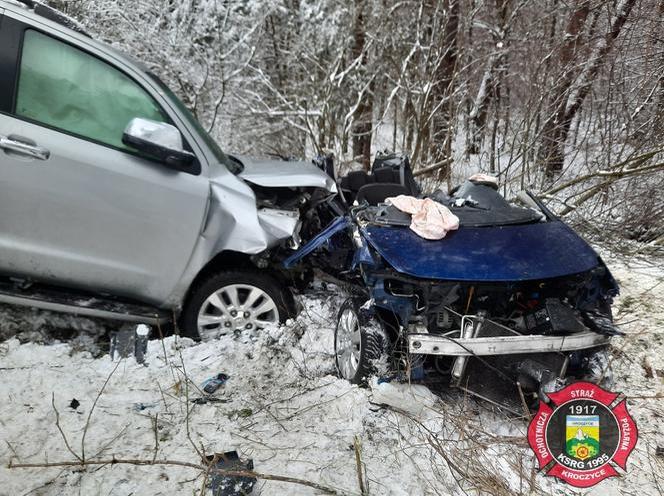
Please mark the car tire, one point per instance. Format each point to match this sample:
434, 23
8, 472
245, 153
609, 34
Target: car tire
235, 300
361, 345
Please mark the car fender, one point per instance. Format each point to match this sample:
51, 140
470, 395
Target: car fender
233, 223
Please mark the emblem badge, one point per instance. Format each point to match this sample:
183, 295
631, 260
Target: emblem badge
583, 435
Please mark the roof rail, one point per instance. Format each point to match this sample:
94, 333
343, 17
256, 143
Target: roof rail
54, 15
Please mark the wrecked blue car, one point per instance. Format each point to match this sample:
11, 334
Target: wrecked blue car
511, 304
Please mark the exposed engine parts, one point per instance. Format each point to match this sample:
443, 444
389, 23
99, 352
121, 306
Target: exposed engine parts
511, 302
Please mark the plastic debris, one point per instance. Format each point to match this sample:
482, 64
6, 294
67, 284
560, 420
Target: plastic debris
203, 400
141, 342
213, 383
139, 407
130, 341
227, 485
122, 344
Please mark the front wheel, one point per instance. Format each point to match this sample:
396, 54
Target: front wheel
234, 301
361, 345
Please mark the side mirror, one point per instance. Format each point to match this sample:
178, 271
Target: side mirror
159, 140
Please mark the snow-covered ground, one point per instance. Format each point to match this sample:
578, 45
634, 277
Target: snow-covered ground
284, 408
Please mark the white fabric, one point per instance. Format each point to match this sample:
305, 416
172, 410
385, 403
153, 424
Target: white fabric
430, 219
484, 178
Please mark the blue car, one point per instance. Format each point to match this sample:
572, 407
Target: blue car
512, 302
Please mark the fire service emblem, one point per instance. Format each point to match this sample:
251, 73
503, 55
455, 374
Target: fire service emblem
583, 435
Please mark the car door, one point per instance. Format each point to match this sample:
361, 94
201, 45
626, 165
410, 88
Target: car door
77, 207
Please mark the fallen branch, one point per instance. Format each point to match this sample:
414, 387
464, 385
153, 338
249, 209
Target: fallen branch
358, 464
617, 170
433, 167
179, 463
609, 178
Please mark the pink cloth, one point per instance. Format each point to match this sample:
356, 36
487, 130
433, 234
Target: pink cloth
430, 219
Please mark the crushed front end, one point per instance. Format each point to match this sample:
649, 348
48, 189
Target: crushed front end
507, 308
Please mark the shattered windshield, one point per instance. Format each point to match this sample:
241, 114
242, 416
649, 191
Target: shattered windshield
233, 166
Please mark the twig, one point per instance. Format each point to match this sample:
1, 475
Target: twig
57, 424
163, 347
11, 448
179, 463
163, 397
94, 404
358, 464
155, 426
206, 474
110, 442
188, 408
523, 401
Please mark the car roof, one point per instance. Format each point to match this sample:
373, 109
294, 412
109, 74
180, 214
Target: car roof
55, 20
44, 11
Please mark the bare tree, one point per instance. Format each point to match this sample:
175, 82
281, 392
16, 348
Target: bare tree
539, 92
576, 80
363, 116
442, 130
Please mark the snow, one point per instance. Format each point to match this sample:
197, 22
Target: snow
284, 408
414, 399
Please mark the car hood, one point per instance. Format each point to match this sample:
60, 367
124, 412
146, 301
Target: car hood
535, 251
272, 173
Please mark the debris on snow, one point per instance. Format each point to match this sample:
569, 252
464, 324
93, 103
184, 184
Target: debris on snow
415, 399
226, 485
285, 410
211, 384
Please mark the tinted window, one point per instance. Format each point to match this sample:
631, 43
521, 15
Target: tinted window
66, 88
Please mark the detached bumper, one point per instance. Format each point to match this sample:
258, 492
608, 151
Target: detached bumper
431, 344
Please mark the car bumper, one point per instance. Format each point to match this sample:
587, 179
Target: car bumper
431, 344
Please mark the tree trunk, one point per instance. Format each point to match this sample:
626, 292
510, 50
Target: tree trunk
489, 89
408, 119
363, 120
571, 96
552, 141
583, 83
658, 121
478, 113
443, 89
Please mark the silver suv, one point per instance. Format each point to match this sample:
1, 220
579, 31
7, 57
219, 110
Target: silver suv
115, 202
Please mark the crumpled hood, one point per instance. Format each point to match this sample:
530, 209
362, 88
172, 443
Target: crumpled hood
273, 173
535, 251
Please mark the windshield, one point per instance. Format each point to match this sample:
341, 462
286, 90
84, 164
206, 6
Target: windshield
232, 165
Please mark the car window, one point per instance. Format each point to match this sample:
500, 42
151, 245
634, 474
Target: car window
66, 88
234, 167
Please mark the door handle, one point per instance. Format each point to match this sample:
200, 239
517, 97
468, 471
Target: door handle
24, 146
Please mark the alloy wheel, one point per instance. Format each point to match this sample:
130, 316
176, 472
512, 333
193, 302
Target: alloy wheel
236, 307
348, 345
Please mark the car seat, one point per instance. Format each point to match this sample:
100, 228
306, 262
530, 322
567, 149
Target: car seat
351, 183
387, 172
376, 193
395, 168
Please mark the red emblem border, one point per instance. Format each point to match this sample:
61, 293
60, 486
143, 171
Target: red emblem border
628, 435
